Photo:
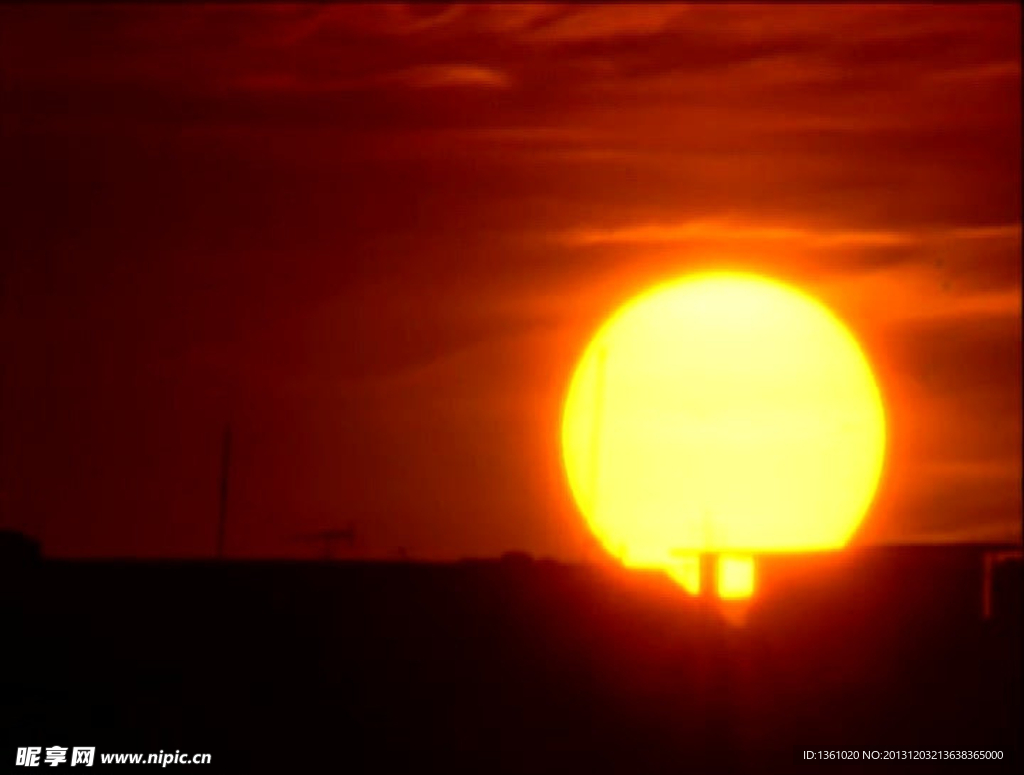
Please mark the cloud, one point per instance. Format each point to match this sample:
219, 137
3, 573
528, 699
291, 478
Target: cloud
606, 21
917, 288
726, 231
284, 83
998, 70
448, 75
1009, 231
299, 26
975, 470
991, 304
512, 18
947, 508
992, 529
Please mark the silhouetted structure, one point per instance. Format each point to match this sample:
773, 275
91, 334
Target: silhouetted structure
1000, 568
225, 464
510, 667
517, 559
16, 548
708, 575
330, 539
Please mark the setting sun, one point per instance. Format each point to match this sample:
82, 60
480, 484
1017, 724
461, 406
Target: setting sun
723, 412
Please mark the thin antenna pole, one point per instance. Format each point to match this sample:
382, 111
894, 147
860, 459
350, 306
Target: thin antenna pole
708, 557
986, 586
595, 442
224, 467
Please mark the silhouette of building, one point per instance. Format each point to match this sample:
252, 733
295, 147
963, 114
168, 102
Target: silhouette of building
16, 548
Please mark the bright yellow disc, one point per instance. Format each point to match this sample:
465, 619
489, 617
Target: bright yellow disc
722, 412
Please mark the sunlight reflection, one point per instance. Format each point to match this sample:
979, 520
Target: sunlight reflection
735, 576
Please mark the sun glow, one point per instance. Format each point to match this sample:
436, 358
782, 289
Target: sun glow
722, 413
735, 577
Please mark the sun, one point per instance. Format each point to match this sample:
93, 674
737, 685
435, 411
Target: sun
724, 413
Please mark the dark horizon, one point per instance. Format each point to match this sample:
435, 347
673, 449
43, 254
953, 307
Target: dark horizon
514, 667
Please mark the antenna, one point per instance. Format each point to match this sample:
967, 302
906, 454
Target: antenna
224, 466
595, 441
708, 557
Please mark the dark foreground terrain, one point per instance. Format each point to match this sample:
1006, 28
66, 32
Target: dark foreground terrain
512, 666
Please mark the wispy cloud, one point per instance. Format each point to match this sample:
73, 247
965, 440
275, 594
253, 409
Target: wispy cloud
1009, 231
299, 25
919, 289
995, 530
726, 231
991, 304
732, 230
607, 21
975, 469
980, 72
446, 75
723, 230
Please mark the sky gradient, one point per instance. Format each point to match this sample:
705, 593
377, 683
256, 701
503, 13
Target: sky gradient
377, 238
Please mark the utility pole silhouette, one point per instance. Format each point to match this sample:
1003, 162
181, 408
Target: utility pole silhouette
708, 560
225, 464
595, 441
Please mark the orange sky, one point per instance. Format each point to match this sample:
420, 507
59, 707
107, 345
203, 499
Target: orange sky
379, 236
